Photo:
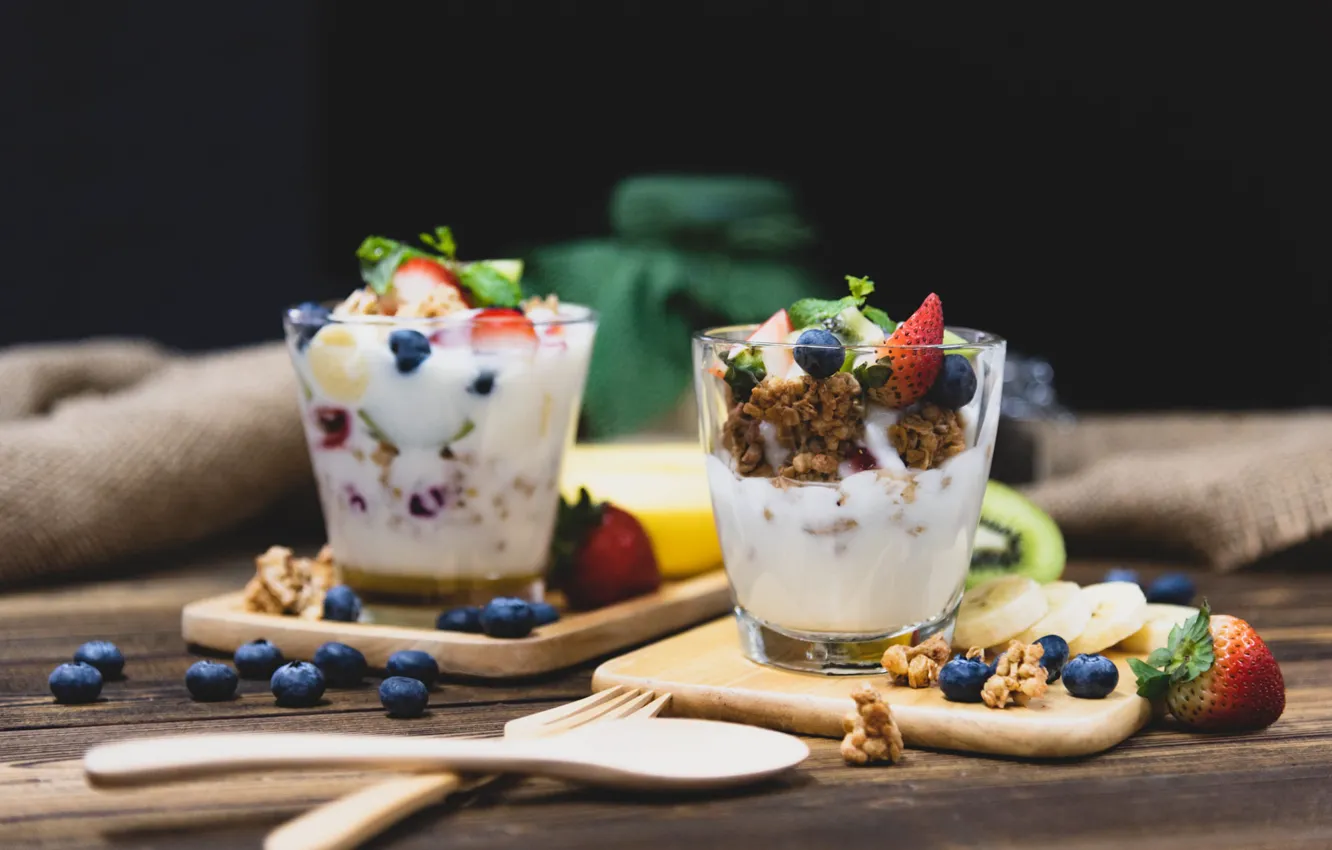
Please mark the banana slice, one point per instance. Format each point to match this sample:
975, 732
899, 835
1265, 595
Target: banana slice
1068, 615
1118, 609
995, 611
1161, 618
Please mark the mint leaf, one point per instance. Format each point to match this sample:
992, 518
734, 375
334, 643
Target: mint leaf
1152, 683
872, 375
489, 288
880, 318
810, 312
441, 241
861, 287
380, 258
745, 371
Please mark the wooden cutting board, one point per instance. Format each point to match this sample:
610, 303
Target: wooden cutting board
221, 623
707, 677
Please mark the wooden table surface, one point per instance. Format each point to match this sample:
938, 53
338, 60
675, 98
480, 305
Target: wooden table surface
1270, 789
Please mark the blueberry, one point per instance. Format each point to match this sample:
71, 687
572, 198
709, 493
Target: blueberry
309, 318
342, 604
410, 349
1122, 575
414, 664
507, 617
342, 665
819, 353
1090, 676
257, 659
297, 684
102, 654
75, 683
961, 679
209, 681
403, 696
956, 384
483, 384
464, 619
1169, 589
1056, 655
544, 614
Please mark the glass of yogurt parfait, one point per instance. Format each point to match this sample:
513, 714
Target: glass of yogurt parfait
847, 459
438, 403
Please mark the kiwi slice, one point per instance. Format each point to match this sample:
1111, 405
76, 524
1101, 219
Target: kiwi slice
1015, 537
852, 328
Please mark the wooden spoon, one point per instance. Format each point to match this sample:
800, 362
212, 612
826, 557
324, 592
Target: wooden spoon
660, 754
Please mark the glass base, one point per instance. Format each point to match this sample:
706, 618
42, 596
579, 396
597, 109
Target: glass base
407, 590
833, 654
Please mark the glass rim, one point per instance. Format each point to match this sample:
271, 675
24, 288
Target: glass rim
983, 340
295, 317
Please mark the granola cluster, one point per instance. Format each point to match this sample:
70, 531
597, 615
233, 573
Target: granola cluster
549, 302
917, 666
1018, 677
817, 421
871, 733
926, 439
440, 301
285, 584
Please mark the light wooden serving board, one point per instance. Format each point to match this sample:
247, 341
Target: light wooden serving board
707, 677
221, 623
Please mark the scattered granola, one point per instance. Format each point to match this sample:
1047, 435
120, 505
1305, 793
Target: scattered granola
285, 584
817, 421
550, 302
871, 733
928, 438
1018, 676
917, 666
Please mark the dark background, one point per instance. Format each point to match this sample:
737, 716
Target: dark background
1140, 195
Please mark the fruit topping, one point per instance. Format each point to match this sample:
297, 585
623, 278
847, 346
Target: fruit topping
815, 312
956, 384
104, 655
297, 684
465, 618
744, 370
1172, 589
403, 696
209, 681
414, 664
1091, 676
871, 733
1015, 537
1068, 613
502, 330
410, 349
1055, 657
1118, 609
334, 424
916, 666
75, 683
1018, 676
402, 275
545, 613
341, 604
1215, 675
343, 666
993, 612
507, 617
483, 383
1120, 574
422, 287
337, 365
1155, 632
819, 353
601, 554
257, 659
961, 679
913, 368
852, 327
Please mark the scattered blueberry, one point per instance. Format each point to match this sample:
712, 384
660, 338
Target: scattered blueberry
309, 318
257, 659
75, 683
342, 604
507, 617
1122, 575
343, 666
483, 384
464, 619
1090, 676
410, 349
414, 664
297, 684
209, 681
956, 384
961, 679
403, 696
819, 353
104, 655
544, 613
1056, 655
1169, 589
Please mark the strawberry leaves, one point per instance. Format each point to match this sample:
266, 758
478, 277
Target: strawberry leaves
1187, 655
573, 523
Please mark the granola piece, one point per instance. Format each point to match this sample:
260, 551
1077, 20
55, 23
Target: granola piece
816, 421
1018, 676
926, 439
871, 733
917, 666
362, 302
549, 302
285, 584
439, 301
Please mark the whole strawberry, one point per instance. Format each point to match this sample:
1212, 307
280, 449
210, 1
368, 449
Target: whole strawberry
913, 370
1216, 675
601, 555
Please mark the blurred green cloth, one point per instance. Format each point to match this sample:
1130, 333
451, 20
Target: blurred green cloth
684, 253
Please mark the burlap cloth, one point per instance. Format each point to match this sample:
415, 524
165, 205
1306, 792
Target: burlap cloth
116, 449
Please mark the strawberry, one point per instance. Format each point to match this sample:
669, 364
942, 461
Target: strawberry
1216, 675
913, 369
498, 328
601, 555
413, 282
777, 359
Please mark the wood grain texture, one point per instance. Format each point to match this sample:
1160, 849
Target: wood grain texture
1159, 789
706, 676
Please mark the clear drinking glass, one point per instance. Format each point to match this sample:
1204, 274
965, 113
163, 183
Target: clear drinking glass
439, 476
846, 524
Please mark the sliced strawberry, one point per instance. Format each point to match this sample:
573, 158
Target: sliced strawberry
416, 277
499, 328
777, 359
913, 369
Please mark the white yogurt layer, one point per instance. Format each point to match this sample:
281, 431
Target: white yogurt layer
473, 488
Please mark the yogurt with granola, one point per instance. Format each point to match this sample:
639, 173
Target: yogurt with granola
438, 404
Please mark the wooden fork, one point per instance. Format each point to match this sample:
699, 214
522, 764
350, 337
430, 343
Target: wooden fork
347, 822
